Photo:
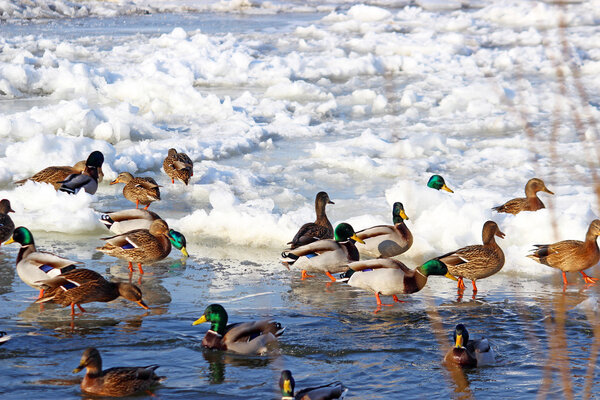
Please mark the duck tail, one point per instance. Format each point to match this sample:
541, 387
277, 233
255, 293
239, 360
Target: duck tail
288, 258
107, 220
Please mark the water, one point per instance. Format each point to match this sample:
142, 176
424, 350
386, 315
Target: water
259, 162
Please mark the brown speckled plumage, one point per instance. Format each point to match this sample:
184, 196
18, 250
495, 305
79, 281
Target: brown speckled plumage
116, 381
55, 175
529, 203
476, 261
7, 226
313, 231
85, 286
138, 190
178, 166
571, 255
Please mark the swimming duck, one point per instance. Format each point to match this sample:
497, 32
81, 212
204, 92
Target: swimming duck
34, 266
469, 353
334, 390
571, 255
138, 190
55, 175
476, 261
86, 180
119, 222
178, 166
116, 381
437, 182
326, 255
144, 245
313, 231
387, 240
530, 203
389, 277
7, 226
4, 337
85, 286
244, 337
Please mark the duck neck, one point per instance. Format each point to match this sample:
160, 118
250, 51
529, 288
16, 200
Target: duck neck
590, 239
219, 325
24, 251
420, 278
94, 368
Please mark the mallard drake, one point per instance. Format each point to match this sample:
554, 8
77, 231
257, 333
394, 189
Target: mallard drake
85, 286
389, 277
334, 390
476, 261
313, 231
530, 203
116, 381
55, 175
326, 255
86, 180
244, 337
138, 190
469, 353
437, 182
4, 337
178, 166
571, 255
7, 226
35, 266
144, 245
119, 222
387, 240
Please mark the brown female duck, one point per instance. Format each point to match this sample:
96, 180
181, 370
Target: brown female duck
530, 203
313, 231
138, 190
571, 255
85, 286
476, 261
7, 226
144, 245
178, 166
116, 381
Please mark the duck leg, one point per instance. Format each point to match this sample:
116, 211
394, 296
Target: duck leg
81, 308
41, 294
474, 287
588, 279
461, 284
306, 275
565, 278
173, 181
137, 203
330, 276
379, 303
130, 266
396, 299
140, 268
145, 208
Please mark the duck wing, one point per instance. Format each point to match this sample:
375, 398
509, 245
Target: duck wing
378, 263
76, 182
334, 390
310, 232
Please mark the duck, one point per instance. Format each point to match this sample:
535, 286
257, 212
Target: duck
390, 277
85, 286
313, 231
476, 261
529, 203
139, 190
55, 175
86, 180
178, 166
4, 337
326, 255
469, 353
7, 226
35, 266
116, 381
387, 240
287, 384
571, 255
144, 245
119, 222
437, 182
251, 338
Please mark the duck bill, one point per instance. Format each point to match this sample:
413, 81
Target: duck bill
79, 368
113, 182
199, 320
287, 386
357, 239
403, 214
449, 276
142, 304
330, 202
459, 341
184, 252
447, 189
9, 241
500, 234
547, 190
11, 210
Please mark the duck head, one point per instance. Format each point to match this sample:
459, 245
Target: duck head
398, 214
435, 267
178, 241
437, 182
287, 384
344, 232
216, 315
21, 235
131, 293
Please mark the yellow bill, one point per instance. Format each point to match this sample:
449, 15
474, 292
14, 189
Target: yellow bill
200, 320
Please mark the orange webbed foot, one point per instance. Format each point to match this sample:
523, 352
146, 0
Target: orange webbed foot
306, 275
